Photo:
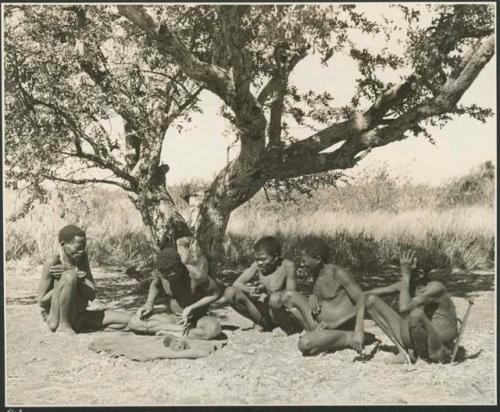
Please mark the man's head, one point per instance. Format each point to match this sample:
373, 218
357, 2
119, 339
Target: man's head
73, 241
314, 254
267, 252
168, 262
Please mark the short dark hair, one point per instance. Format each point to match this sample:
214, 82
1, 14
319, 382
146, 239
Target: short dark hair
69, 232
268, 244
316, 247
166, 259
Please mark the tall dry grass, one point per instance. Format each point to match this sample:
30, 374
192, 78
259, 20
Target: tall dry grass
367, 222
115, 232
459, 237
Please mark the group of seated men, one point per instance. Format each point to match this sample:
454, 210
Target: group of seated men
331, 318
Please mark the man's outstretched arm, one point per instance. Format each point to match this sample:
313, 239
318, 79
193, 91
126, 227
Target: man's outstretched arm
432, 291
247, 275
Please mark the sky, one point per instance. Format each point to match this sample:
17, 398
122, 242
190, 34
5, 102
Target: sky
463, 144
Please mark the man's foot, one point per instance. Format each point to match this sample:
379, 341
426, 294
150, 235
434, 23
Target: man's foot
279, 333
401, 358
265, 323
175, 343
257, 327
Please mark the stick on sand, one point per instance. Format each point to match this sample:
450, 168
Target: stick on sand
462, 330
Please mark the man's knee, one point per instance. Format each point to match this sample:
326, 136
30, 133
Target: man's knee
415, 317
287, 297
306, 344
231, 294
210, 326
213, 329
370, 301
69, 277
52, 324
275, 300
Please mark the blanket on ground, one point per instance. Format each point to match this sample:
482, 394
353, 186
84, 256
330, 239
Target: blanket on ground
145, 348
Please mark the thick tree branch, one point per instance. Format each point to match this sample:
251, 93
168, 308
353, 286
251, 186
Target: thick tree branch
302, 158
87, 181
250, 118
216, 78
274, 82
471, 66
77, 135
348, 129
230, 18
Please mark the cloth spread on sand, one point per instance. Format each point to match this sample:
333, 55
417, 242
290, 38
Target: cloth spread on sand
145, 348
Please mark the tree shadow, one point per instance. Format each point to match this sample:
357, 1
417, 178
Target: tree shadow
462, 355
119, 293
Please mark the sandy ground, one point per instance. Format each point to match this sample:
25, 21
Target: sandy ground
254, 368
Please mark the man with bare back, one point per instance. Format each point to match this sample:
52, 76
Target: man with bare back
262, 304
189, 292
426, 325
329, 315
67, 286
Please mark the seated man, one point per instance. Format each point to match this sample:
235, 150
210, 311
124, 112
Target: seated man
329, 314
427, 326
262, 304
190, 291
67, 286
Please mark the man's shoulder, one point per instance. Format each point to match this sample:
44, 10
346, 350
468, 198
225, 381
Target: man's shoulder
435, 285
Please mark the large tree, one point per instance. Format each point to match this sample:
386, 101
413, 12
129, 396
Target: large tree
69, 68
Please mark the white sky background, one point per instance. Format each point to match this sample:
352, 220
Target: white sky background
464, 143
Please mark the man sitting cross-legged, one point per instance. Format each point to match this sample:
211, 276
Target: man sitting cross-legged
67, 285
191, 293
262, 304
329, 314
427, 324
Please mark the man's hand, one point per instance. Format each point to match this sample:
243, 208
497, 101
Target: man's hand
357, 341
144, 311
407, 261
57, 270
314, 304
186, 312
256, 290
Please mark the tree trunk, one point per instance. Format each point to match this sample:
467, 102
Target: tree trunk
235, 185
160, 216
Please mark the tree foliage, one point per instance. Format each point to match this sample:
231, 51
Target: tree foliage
69, 69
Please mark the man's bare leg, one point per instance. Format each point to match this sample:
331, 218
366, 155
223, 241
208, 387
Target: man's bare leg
317, 341
295, 302
242, 304
158, 322
287, 322
62, 315
98, 319
426, 339
393, 325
